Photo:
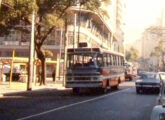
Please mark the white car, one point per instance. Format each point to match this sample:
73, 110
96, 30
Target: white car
158, 112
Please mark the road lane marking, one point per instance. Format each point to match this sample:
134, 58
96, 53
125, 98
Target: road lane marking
74, 104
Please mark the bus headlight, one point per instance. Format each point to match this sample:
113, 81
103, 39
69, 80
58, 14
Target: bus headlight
137, 83
162, 116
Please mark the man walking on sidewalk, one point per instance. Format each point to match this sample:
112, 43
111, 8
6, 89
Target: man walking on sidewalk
54, 75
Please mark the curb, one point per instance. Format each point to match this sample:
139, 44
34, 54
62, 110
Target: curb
8, 92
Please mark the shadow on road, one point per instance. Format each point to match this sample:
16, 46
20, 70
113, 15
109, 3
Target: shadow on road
53, 92
40, 93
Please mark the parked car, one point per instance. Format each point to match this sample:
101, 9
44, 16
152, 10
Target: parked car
148, 81
158, 112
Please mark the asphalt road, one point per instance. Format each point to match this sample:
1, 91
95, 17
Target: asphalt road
52, 104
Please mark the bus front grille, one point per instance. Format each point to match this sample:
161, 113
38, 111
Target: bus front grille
77, 78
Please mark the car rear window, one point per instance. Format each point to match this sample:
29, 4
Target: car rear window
148, 76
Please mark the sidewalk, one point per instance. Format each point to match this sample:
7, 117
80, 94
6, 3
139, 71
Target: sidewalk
16, 87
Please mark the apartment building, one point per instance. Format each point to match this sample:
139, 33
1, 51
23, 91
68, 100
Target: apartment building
87, 26
97, 29
19, 42
120, 7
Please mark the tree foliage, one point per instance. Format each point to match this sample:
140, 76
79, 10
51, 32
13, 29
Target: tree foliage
132, 54
50, 14
156, 30
159, 50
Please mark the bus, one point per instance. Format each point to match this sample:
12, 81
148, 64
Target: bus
130, 71
93, 68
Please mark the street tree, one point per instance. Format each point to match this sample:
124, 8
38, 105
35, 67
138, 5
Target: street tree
159, 51
132, 54
50, 14
158, 30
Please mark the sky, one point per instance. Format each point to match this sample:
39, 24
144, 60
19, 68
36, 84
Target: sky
140, 14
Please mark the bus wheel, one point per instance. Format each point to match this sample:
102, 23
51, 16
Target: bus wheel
115, 87
104, 90
138, 90
76, 91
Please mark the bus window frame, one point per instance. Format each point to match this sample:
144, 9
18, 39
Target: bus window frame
105, 59
81, 59
117, 61
111, 59
108, 59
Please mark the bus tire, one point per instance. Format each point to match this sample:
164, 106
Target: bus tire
138, 90
104, 90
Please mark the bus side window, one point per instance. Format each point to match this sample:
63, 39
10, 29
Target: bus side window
119, 61
122, 61
100, 60
114, 60
105, 60
111, 59
108, 60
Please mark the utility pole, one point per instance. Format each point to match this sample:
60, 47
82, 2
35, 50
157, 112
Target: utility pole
79, 24
0, 3
11, 68
65, 49
31, 56
0, 6
61, 36
74, 33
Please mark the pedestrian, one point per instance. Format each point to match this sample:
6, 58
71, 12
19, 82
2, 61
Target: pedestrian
54, 75
39, 75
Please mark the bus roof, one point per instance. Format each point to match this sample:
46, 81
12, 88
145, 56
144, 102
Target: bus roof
92, 50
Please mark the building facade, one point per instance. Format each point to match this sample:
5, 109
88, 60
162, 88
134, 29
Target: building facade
163, 18
120, 7
97, 29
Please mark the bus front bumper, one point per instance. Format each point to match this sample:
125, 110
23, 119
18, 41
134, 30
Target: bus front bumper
83, 84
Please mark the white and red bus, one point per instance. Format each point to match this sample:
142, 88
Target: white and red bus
93, 68
130, 71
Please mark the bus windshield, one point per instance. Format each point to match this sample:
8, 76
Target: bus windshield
82, 60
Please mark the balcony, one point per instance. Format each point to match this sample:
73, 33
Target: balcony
13, 43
